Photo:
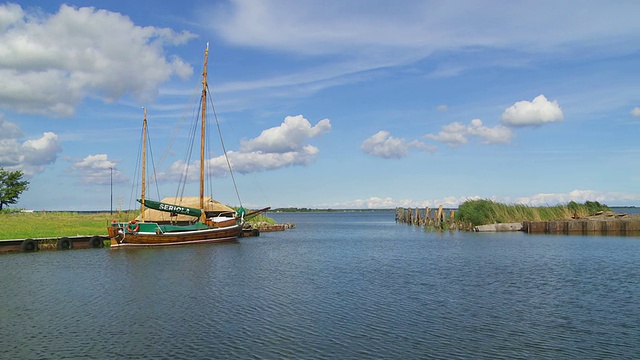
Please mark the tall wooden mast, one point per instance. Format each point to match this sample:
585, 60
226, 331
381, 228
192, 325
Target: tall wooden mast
204, 120
144, 162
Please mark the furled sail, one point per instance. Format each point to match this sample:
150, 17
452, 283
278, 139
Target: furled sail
183, 210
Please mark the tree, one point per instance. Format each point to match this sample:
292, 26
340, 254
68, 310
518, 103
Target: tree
11, 186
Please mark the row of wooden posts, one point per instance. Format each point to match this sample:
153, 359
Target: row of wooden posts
439, 218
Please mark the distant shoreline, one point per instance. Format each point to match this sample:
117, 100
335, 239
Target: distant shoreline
277, 210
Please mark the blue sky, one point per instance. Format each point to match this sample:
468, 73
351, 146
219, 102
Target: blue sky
350, 104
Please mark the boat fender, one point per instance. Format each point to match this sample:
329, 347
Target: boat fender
133, 226
29, 245
96, 242
65, 243
255, 232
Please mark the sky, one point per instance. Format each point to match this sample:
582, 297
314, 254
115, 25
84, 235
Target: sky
345, 104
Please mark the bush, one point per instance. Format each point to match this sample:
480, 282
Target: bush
477, 212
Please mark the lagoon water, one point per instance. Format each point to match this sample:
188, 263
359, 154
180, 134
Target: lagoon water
352, 285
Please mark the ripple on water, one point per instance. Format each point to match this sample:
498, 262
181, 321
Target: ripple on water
377, 290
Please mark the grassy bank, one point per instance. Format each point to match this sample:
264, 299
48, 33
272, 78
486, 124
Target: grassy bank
18, 225
482, 212
56, 224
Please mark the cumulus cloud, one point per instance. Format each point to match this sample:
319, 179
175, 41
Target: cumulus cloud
635, 111
49, 63
532, 113
383, 145
456, 134
30, 156
278, 147
289, 136
97, 169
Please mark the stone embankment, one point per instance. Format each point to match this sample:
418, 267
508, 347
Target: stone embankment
608, 223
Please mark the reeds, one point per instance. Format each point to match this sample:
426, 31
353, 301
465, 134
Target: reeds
482, 212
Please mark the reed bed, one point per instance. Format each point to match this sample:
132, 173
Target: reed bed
482, 212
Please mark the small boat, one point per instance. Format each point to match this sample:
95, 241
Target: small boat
204, 226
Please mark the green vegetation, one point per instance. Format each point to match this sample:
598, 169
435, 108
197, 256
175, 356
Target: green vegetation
11, 186
482, 212
260, 219
19, 225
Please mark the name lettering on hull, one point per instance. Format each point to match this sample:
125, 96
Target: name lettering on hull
173, 208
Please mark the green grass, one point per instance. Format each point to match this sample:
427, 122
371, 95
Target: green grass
482, 212
56, 224
17, 225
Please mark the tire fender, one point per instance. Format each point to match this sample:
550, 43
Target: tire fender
29, 245
65, 243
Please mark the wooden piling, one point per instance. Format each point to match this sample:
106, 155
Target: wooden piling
430, 218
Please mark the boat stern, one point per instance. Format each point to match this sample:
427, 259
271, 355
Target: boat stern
116, 233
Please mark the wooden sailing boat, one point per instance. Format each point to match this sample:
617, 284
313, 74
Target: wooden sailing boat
222, 227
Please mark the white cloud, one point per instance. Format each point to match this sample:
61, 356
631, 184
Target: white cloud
98, 169
291, 135
453, 134
382, 144
532, 113
635, 111
30, 156
456, 134
41, 151
277, 147
490, 135
49, 63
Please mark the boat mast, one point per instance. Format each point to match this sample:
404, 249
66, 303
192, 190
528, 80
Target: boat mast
144, 162
203, 100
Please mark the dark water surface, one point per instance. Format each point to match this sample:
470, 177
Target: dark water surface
339, 286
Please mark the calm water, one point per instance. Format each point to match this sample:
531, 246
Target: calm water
339, 286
